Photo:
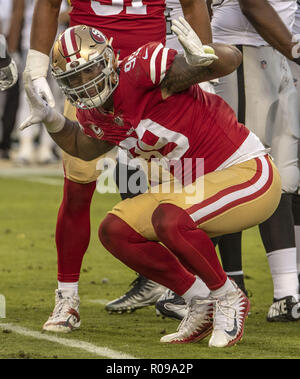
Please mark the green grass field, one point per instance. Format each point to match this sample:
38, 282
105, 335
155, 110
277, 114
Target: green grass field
28, 212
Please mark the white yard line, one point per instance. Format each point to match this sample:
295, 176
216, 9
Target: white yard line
101, 351
15, 172
48, 181
98, 301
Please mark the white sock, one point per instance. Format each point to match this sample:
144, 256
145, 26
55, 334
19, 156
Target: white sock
198, 288
297, 237
227, 287
283, 266
70, 289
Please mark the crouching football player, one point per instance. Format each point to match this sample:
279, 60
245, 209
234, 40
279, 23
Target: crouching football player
151, 106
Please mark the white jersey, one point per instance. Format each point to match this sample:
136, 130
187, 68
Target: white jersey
229, 25
296, 28
173, 11
6, 8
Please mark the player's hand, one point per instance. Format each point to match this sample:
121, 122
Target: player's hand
38, 106
37, 65
42, 88
8, 76
195, 53
40, 111
8, 67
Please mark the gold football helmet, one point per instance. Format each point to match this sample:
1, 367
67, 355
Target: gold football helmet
84, 65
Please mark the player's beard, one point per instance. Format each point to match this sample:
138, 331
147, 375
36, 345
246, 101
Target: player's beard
107, 107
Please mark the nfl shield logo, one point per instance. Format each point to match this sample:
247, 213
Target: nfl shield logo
263, 64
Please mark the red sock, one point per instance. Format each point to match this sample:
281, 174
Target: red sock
148, 258
176, 230
73, 229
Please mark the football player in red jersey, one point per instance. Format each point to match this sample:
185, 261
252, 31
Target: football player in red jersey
151, 106
131, 23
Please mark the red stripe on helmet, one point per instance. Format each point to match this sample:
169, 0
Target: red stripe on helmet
64, 48
74, 42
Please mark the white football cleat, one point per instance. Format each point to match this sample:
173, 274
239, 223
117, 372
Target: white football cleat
65, 316
144, 292
230, 312
171, 305
196, 325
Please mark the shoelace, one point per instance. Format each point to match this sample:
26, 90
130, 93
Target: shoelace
192, 311
219, 321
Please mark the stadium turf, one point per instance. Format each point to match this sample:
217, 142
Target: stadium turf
28, 279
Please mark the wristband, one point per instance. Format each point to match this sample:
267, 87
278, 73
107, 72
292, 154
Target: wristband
37, 64
54, 121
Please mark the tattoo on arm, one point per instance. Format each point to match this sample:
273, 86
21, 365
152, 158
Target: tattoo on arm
181, 76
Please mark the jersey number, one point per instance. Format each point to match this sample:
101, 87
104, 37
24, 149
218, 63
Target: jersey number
161, 137
117, 6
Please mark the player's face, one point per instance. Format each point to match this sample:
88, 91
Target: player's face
87, 76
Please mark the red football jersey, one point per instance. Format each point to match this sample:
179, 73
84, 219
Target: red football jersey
131, 23
190, 124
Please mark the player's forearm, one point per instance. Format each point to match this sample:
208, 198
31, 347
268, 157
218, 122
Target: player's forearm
181, 75
229, 60
44, 25
196, 13
74, 142
269, 25
15, 27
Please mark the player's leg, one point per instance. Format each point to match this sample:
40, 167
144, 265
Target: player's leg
296, 197
139, 251
231, 88
129, 235
214, 216
296, 213
72, 237
143, 292
275, 120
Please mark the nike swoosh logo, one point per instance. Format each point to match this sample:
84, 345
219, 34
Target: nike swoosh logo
233, 332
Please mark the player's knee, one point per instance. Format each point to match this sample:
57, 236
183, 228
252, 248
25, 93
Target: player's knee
168, 220
110, 230
162, 223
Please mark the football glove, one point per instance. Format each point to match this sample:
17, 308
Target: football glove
40, 111
8, 67
37, 65
195, 53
